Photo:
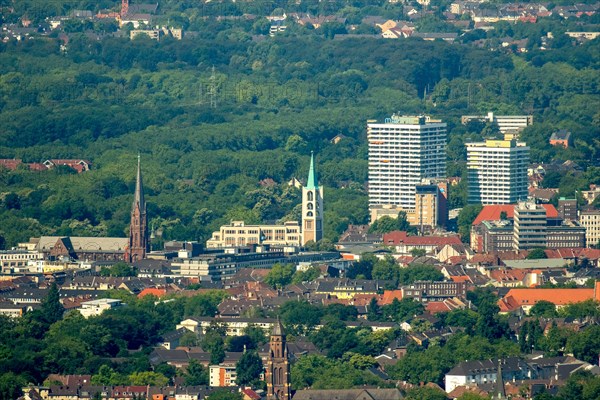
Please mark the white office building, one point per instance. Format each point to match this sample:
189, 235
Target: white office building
497, 171
402, 151
505, 123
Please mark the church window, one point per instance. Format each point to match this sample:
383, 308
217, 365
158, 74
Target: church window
309, 214
310, 196
310, 206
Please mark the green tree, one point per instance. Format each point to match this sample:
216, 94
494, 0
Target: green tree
425, 393
109, 377
386, 269
52, 309
10, 385
586, 344
384, 224
465, 220
119, 269
544, 309
415, 252
255, 333
309, 275
536, 254
300, 317
152, 378
248, 368
280, 275
189, 339
224, 394
196, 374
214, 344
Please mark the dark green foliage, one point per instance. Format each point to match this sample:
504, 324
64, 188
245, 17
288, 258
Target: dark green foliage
536, 254
466, 218
224, 394
280, 275
52, 310
543, 309
118, 269
418, 272
387, 224
299, 316
196, 374
248, 368
318, 372
425, 393
431, 364
402, 310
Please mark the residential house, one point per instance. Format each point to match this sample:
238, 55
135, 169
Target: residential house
348, 394
561, 137
404, 243
524, 299
97, 307
234, 326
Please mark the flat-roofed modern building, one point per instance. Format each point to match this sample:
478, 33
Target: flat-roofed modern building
497, 171
238, 234
505, 123
590, 220
529, 226
402, 151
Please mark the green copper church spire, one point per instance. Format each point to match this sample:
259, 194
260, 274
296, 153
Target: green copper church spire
312, 182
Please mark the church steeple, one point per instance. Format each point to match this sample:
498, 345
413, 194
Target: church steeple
138, 199
278, 366
138, 227
312, 206
499, 391
312, 182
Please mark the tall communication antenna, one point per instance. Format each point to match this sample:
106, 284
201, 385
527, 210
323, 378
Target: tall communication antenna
212, 89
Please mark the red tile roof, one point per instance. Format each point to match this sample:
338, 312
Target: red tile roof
10, 163
251, 394
458, 279
492, 212
397, 237
529, 297
152, 291
576, 252
389, 296
508, 275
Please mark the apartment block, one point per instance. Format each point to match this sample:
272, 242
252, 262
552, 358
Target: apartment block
497, 171
590, 220
402, 151
529, 226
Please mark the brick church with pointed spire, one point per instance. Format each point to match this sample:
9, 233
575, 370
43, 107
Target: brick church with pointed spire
312, 206
138, 228
278, 366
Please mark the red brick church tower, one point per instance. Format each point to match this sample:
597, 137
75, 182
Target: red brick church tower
278, 366
138, 228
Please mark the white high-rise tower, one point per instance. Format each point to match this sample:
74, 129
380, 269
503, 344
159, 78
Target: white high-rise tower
402, 151
497, 171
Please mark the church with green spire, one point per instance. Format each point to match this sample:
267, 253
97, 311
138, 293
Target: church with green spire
312, 206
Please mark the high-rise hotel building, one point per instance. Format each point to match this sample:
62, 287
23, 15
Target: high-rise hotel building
402, 151
497, 171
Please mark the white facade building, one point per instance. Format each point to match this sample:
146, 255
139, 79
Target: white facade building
97, 307
497, 171
402, 151
590, 220
505, 123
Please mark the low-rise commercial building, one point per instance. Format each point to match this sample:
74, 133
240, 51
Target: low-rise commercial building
238, 234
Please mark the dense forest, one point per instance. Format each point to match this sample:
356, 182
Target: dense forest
216, 113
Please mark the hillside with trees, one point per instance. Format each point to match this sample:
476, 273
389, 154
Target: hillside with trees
215, 114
